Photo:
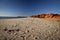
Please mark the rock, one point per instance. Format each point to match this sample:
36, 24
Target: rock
46, 16
42, 15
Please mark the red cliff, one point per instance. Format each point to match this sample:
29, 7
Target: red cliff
46, 16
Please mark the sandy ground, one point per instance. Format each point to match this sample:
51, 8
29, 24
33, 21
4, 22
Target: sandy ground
29, 29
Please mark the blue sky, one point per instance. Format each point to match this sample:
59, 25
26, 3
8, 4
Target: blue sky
28, 7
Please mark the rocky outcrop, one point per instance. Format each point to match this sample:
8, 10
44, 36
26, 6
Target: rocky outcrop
49, 15
46, 16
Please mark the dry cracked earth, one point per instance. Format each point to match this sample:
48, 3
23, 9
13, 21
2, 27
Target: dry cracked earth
29, 29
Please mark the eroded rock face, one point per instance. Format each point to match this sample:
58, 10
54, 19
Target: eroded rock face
56, 17
46, 16
42, 15
49, 16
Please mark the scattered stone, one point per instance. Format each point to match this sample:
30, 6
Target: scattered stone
5, 38
5, 29
39, 29
11, 30
17, 29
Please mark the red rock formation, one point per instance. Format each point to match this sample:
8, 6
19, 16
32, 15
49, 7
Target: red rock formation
46, 16
42, 15
57, 17
49, 15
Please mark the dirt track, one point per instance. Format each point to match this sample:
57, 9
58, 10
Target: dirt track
29, 29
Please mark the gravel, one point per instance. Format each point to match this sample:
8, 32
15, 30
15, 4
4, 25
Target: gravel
29, 29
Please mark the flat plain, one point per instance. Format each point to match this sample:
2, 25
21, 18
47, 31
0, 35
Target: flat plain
29, 29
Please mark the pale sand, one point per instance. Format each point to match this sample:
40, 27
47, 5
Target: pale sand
29, 29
